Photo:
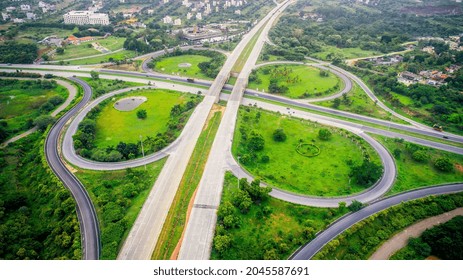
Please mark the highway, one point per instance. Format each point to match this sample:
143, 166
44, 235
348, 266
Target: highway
338, 227
143, 236
199, 233
86, 214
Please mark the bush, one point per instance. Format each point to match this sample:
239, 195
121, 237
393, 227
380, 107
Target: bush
420, 156
42, 122
443, 164
56, 100
279, 135
355, 206
324, 134
141, 114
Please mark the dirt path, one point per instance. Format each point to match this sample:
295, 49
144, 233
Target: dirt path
72, 94
400, 240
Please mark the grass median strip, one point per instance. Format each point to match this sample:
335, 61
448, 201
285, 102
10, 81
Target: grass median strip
168, 243
239, 64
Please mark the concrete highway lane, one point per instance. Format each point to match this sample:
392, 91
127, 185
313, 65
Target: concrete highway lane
338, 227
89, 229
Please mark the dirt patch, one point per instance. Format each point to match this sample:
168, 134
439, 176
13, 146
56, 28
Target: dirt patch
176, 251
459, 167
184, 65
129, 103
215, 108
125, 67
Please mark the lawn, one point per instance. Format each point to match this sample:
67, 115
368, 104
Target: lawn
21, 101
301, 81
118, 56
358, 102
346, 53
413, 174
324, 175
113, 126
82, 50
39, 33
273, 229
170, 65
118, 197
176, 218
102, 86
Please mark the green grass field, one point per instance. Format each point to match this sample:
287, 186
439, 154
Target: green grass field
324, 175
19, 102
122, 55
113, 126
39, 33
413, 174
170, 65
118, 197
176, 218
102, 86
273, 229
359, 103
345, 53
302, 81
82, 50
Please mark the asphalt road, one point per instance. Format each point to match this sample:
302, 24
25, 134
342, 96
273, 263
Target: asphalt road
86, 214
338, 227
199, 233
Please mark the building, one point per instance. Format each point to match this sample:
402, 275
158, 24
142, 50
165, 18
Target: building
177, 22
167, 20
86, 17
77, 41
25, 7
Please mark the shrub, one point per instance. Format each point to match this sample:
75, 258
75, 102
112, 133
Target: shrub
141, 114
279, 135
420, 156
443, 164
42, 122
324, 134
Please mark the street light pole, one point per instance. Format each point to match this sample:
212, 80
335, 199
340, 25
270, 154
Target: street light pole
238, 177
142, 150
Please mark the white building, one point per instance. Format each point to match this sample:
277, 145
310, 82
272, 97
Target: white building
31, 16
85, 17
199, 16
5, 16
25, 7
167, 20
10, 9
178, 22
189, 16
150, 12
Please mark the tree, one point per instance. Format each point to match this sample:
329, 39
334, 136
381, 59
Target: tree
355, 206
420, 156
242, 201
336, 103
56, 100
43, 121
222, 243
366, 174
279, 135
324, 134
443, 164
141, 114
94, 75
60, 51
256, 143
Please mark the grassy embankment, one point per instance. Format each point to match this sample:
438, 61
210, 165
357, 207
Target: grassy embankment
324, 175
273, 229
302, 81
118, 197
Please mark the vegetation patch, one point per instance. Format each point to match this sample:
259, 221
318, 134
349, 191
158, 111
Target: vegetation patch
444, 241
38, 218
22, 102
118, 197
416, 165
103, 86
362, 239
107, 134
253, 226
308, 150
265, 144
203, 64
294, 81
